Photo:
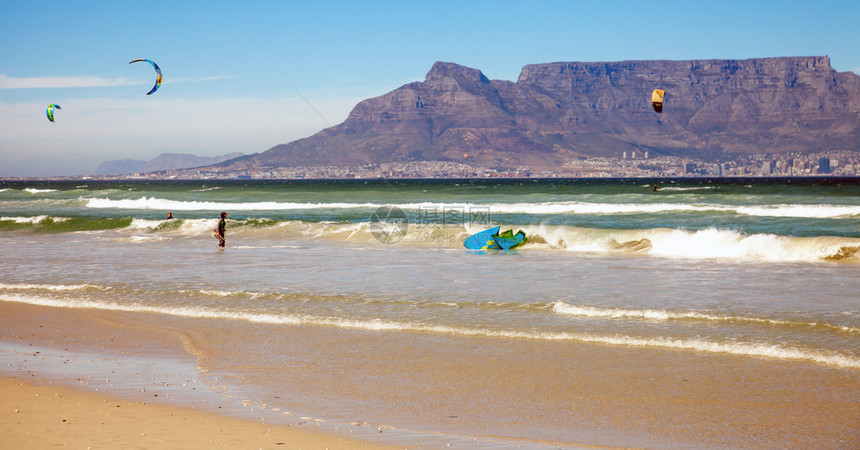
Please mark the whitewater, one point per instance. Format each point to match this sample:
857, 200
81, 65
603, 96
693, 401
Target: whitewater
730, 278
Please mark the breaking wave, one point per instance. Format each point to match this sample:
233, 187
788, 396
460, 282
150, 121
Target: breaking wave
708, 243
561, 307
753, 349
542, 208
160, 204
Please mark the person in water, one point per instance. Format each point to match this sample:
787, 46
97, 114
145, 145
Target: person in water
222, 229
169, 215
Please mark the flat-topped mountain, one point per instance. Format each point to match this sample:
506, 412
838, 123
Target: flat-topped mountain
560, 111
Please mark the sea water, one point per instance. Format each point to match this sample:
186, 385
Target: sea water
763, 272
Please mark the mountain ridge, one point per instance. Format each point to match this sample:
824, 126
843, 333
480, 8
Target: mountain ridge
560, 111
164, 161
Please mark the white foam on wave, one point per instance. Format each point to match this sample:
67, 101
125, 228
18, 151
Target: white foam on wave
188, 227
730, 244
574, 207
137, 239
34, 219
217, 293
144, 224
147, 203
753, 349
562, 207
220, 293
39, 191
49, 287
683, 189
709, 243
800, 211
561, 307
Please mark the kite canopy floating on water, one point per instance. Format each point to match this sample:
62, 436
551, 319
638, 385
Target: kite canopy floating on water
157, 70
50, 111
657, 99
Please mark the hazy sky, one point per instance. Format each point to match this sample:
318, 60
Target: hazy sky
243, 76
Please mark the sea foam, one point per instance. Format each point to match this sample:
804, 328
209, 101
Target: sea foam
541, 208
708, 243
561, 307
753, 349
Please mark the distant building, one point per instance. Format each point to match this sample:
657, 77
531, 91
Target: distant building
767, 168
690, 168
824, 165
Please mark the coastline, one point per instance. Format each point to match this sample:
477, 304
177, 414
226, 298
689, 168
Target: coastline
82, 365
75, 378
601, 396
40, 415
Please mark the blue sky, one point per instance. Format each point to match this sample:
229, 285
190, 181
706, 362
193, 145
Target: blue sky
245, 76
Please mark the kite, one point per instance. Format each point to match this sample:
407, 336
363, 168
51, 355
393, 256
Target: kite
50, 111
157, 70
657, 99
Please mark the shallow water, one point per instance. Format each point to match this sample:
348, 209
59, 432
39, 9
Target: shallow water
741, 289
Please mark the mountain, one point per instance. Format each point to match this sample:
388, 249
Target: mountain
559, 111
164, 161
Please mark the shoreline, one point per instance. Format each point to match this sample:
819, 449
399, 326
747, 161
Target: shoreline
139, 388
38, 415
458, 391
73, 362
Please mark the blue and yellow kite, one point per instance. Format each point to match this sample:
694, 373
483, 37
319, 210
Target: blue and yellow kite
157, 70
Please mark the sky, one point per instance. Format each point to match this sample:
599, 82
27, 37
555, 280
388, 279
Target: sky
246, 76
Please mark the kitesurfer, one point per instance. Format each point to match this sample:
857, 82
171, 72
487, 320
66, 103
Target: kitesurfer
220, 233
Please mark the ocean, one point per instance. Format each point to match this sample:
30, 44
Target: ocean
706, 313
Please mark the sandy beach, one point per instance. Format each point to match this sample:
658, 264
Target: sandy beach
98, 405
142, 381
42, 416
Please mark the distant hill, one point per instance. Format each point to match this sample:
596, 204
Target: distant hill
164, 161
559, 111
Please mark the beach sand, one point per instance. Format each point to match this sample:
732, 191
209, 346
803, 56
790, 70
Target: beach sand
534, 393
43, 416
98, 401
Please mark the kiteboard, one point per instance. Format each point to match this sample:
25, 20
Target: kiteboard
490, 239
217, 236
509, 240
483, 240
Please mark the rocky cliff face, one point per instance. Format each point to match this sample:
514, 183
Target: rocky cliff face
558, 111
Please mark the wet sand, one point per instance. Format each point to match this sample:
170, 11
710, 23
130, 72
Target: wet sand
538, 394
55, 394
43, 416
